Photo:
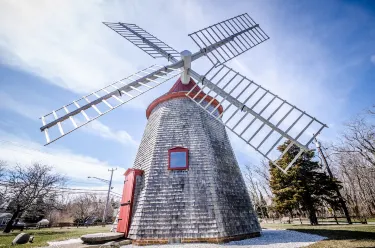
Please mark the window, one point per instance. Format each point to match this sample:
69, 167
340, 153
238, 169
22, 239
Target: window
178, 158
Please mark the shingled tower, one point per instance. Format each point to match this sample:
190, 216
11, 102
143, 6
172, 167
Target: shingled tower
188, 183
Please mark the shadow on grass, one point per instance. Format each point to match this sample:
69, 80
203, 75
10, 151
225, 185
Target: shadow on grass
33, 232
49, 233
38, 233
339, 234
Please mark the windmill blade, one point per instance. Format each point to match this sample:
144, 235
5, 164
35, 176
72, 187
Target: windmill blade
144, 40
70, 117
257, 116
239, 34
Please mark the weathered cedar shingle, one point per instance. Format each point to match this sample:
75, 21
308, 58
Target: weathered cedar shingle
210, 199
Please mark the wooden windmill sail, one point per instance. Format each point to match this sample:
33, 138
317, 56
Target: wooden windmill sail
257, 116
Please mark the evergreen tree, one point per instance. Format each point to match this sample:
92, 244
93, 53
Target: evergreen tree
304, 186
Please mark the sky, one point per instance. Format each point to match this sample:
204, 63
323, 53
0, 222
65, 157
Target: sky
320, 57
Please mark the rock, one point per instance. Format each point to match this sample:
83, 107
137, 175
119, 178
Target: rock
116, 244
96, 238
21, 238
111, 244
125, 242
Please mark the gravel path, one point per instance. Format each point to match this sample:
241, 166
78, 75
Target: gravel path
65, 242
270, 239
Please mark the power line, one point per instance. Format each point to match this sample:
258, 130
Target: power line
81, 182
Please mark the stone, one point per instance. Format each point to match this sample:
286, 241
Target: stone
96, 238
111, 244
21, 238
125, 242
116, 244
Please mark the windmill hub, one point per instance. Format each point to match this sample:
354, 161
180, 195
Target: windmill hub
186, 57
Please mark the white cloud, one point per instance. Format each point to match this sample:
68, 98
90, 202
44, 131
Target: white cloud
75, 166
96, 128
61, 43
29, 111
65, 42
121, 136
373, 59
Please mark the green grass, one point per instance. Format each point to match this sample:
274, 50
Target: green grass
49, 234
356, 235
343, 220
337, 235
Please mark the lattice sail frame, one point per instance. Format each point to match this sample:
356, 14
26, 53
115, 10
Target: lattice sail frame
257, 116
143, 40
220, 42
247, 34
90, 107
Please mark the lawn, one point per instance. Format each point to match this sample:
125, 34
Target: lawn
338, 235
50, 234
356, 235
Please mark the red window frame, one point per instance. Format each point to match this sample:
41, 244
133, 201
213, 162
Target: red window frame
178, 149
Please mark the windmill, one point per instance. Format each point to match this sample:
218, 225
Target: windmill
257, 116
185, 184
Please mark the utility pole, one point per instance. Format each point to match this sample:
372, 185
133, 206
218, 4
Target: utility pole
109, 190
341, 199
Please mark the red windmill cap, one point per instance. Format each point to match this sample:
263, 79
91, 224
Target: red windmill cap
180, 87
179, 90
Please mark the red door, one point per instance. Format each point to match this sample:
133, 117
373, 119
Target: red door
124, 219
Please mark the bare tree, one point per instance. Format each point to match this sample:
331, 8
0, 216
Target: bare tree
359, 137
3, 165
27, 184
263, 174
256, 184
85, 206
250, 182
3, 186
371, 111
354, 163
81, 207
357, 175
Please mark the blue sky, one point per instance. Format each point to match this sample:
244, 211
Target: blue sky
320, 57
